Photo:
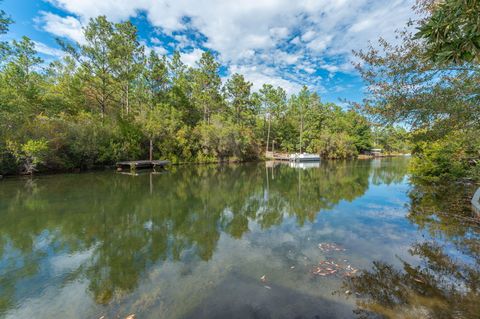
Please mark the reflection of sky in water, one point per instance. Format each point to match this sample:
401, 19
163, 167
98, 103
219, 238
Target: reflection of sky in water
93, 252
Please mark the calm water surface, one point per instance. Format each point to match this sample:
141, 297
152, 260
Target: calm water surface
238, 241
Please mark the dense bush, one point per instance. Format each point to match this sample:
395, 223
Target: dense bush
453, 157
336, 146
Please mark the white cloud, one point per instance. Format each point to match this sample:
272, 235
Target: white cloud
320, 44
280, 32
192, 57
68, 27
156, 48
160, 50
183, 41
259, 76
295, 40
249, 33
361, 25
114, 9
285, 57
45, 49
308, 36
330, 67
155, 41
247, 54
309, 70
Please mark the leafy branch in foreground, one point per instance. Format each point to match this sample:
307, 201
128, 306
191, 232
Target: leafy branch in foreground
452, 32
437, 98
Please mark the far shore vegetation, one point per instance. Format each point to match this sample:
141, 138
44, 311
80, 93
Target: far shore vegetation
110, 98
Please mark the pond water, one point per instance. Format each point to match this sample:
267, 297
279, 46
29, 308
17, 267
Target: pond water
337, 240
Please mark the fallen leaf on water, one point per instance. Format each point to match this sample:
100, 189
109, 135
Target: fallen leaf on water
347, 292
293, 267
263, 278
330, 247
132, 316
330, 267
268, 287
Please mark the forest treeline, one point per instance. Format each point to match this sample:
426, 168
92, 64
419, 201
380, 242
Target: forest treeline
110, 98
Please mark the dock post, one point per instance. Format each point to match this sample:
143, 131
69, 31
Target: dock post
476, 202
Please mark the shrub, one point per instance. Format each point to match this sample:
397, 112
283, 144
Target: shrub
453, 157
30, 154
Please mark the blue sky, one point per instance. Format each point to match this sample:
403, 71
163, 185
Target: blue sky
290, 43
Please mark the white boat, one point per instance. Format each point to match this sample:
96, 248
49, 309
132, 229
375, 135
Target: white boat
304, 165
304, 157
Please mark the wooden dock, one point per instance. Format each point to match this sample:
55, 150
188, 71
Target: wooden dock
277, 156
133, 165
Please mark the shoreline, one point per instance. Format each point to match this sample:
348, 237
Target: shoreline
364, 156
219, 162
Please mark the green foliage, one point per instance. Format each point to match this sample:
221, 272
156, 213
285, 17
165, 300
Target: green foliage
449, 158
30, 154
88, 141
452, 31
5, 22
304, 123
106, 100
391, 139
206, 85
429, 82
223, 140
336, 146
238, 91
7, 161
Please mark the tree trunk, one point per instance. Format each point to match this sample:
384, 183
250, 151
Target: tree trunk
127, 106
151, 150
301, 130
268, 134
102, 107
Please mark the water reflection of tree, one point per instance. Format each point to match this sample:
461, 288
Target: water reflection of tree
307, 192
389, 170
129, 223
446, 282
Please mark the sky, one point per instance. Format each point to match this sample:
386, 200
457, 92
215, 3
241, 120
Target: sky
289, 43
